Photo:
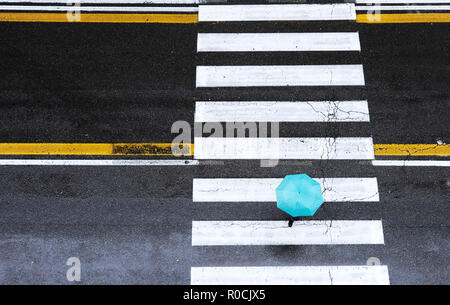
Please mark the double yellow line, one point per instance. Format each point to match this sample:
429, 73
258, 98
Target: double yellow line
193, 18
166, 149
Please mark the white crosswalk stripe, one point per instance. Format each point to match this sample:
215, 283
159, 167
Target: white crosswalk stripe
261, 191
284, 148
277, 12
262, 111
238, 233
291, 275
268, 42
269, 76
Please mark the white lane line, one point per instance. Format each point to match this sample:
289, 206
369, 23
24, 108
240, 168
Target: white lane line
430, 163
98, 8
72, 162
258, 111
277, 233
262, 76
401, 1
404, 8
284, 148
273, 12
263, 189
291, 275
267, 42
108, 2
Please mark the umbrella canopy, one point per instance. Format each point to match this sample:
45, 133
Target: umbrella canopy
299, 195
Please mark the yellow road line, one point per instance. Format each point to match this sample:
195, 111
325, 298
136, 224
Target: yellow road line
166, 149
193, 18
403, 18
411, 149
107, 149
111, 18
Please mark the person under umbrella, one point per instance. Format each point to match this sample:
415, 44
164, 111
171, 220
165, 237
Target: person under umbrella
299, 195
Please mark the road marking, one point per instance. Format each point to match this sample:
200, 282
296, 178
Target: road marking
37, 162
401, 1
258, 111
267, 42
98, 8
263, 76
263, 189
404, 8
118, 149
100, 18
430, 163
403, 18
108, 1
274, 12
284, 148
186, 162
291, 275
207, 112
277, 233
412, 149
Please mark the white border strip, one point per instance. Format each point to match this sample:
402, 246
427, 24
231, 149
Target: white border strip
263, 189
98, 8
278, 233
268, 42
320, 111
274, 12
411, 163
283, 148
72, 162
401, 1
405, 8
108, 2
291, 275
263, 76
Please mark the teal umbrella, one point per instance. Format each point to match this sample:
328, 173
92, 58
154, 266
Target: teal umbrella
299, 195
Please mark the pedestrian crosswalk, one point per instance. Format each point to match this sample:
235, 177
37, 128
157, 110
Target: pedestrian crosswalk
268, 76
291, 275
258, 192
277, 12
282, 111
263, 189
353, 148
247, 233
271, 42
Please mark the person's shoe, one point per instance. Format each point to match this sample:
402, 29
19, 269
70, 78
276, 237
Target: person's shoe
290, 223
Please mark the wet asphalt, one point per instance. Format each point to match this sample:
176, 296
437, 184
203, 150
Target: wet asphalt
130, 82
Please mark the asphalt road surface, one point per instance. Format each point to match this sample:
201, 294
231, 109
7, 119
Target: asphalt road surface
128, 83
